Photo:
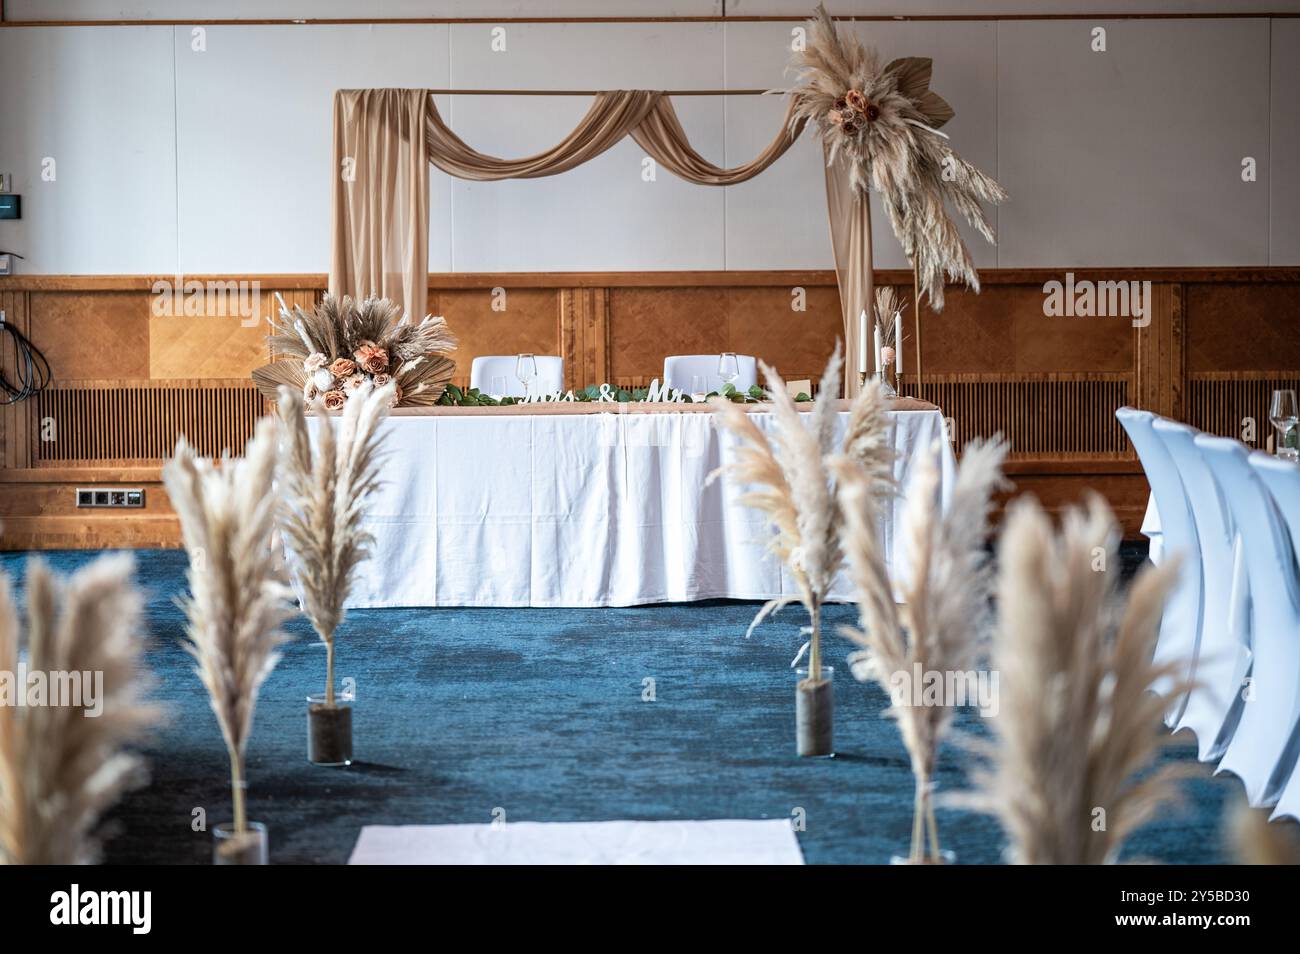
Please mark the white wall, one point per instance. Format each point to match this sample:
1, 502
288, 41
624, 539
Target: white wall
218, 160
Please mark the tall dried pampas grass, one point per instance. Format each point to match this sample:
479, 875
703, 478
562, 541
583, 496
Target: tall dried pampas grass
237, 600
944, 619
60, 768
791, 483
1079, 722
324, 492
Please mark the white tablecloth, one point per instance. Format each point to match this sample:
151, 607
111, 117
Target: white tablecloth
721, 842
583, 510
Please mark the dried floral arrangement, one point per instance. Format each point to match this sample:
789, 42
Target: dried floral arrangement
340, 345
60, 770
324, 490
237, 600
943, 621
793, 486
883, 120
1079, 722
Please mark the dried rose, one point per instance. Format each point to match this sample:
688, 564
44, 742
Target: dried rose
372, 359
342, 368
887, 355
857, 102
850, 129
397, 396
310, 392
835, 116
353, 381
873, 112
380, 379
840, 104
334, 400
314, 362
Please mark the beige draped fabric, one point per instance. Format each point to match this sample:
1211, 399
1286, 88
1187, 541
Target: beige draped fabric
661, 135
385, 139
613, 115
850, 215
380, 200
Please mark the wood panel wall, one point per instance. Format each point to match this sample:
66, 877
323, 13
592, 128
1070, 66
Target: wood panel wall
128, 381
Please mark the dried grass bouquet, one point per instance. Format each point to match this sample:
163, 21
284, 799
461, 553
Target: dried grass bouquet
943, 620
341, 345
237, 601
324, 489
883, 120
1079, 720
793, 486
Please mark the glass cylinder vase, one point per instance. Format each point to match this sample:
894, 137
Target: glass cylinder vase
814, 712
231, 847
329, 729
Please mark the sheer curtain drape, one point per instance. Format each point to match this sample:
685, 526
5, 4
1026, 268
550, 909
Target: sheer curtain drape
385, 139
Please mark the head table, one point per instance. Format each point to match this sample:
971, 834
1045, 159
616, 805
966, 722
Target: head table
585, 504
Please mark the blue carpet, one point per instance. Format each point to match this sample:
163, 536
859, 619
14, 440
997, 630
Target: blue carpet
539, 712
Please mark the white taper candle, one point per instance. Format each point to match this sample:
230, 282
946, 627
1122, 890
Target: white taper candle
898, 343
863, 366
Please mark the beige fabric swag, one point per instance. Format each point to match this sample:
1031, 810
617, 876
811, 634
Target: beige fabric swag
385, 139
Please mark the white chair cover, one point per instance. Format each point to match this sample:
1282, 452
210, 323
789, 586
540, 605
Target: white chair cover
680, 368
550, 374
1262, 751
1181, 624
1223, 647
1282, 479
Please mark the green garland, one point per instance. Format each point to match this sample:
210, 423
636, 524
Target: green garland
455, 397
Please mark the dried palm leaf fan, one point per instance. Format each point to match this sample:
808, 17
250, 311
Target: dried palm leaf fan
339, 345
883, 122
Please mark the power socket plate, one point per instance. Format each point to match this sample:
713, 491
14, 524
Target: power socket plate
122, 498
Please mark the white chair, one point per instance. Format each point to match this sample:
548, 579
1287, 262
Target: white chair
681, 369
550, 375
1223, 647
1262, 751
1282, 479
1180, 626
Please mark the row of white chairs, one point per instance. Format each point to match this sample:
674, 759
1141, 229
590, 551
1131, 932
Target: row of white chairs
493, 373
1233, 516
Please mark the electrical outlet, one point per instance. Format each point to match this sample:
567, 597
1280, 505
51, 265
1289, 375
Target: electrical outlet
120, 497
6, 265
6, 182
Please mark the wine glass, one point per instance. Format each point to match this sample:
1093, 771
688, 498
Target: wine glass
1285, 417
698, 387
728, 367
498, 386
526, 372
